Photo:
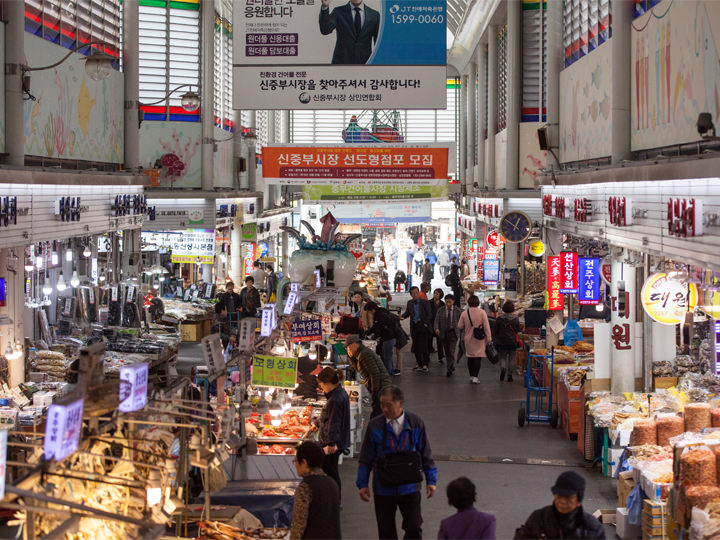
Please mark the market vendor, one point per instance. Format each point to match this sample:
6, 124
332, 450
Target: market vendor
564, 518
307, 381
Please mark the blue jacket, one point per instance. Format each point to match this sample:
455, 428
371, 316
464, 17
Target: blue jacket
334, 427
431, 256
412, 438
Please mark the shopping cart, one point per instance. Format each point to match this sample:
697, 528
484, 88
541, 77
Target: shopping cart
538, 406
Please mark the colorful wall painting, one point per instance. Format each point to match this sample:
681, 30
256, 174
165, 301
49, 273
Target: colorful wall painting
531, 158
175, 146
223, 158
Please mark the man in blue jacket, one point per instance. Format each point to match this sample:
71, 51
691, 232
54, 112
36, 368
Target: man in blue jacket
396, 430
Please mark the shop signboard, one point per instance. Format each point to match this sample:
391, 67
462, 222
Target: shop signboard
606, 270
248, 232
370, 165
491, 271
472, 250
249, 259
383, 192
556, 301
268, 321
494, 239
214, 356
275, 371
327, 320
568, 272
246, 339
537, 248
297, 55
135, 387
62, 430
306, 329
588, 280
376, 213
194, 246
290, 302
667, 300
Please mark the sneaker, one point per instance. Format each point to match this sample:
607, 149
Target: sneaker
448, 373
476, 380
424, 369
502, 374
416, 368
441, 360
473, 379
397, 372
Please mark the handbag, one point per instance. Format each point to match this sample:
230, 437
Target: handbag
491, 352
399, 468
478, 331
518, 342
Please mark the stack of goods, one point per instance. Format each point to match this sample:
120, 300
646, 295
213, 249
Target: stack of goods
685, 364
652, 467
644, 432
187, 312
574, 377
697, 416
706, 526
53, 363
668, 427
663, 368
655, 520
584, 352
715, 417
698, 477
213, 530
114, 360
293, 426
534, 277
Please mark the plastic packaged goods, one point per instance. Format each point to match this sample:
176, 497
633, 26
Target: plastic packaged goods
700, 496
715, 417
697, 468
644, 432
697, 416
668, 427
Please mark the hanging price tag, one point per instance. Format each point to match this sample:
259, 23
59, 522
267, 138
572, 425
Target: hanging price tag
213, 354
114, 294
133, 393
62, 430
246, 339
91, 295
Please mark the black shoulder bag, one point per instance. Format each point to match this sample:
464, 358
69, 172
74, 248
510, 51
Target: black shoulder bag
398, 469
478, 331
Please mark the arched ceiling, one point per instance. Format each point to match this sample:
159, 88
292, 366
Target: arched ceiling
455, 12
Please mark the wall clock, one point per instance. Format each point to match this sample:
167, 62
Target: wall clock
515, 226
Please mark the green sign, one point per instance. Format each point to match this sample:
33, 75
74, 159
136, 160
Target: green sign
248, 232
348, 192
276, 371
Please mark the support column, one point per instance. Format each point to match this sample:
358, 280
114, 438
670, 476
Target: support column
620, 61
622, 328
510, 260
251, 161
471, 121
463, 129
480, 176
239, 151
236, 255
514, 105
11, 268
492, 32
130, 254
207, 20
272, 138
554, 66
285, 126
14, 14
131, 78
285, 255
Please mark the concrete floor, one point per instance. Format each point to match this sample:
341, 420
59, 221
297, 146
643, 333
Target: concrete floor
473, 432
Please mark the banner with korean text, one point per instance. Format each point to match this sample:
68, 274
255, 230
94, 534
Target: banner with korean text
379, 213
194, 246
325, 54
410, 165
556, 300
394, 192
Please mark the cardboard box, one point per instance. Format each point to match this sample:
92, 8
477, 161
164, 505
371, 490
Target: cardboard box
605, 516
191, 331
598, 385
664, 382
623, 528
626, 483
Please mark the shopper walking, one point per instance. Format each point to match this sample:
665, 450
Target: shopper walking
249, 298
443, 261
394, 256
370, 367
271, 282
447, 332
419, 259
507, 328
427, 271
409, 258
258, 274
230, 300
334, 424
396, 438
432, 257
467, 523
453, 281
435, 304
420, 324
564, 518
464, 269
383, 329
472, 319
316, 506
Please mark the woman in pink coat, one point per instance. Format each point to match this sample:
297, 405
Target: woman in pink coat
474, 317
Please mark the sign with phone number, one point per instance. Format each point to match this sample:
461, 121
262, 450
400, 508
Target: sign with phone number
276, 371
302, 330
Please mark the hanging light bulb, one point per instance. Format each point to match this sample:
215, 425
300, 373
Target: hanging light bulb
600, 307
74, 280
29, 265
102, 277
161, 278
154, 493
54, 256
39, 262
87, 252
47, 288
68, 255
61, 285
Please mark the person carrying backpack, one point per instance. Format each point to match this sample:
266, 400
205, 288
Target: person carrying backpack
506, 340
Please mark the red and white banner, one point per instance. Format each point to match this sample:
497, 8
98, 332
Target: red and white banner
556, 301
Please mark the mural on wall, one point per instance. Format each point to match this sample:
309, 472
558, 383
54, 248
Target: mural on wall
223, 158
72, 116
532, 159
175, 148
500, 158
585, 103
675, 72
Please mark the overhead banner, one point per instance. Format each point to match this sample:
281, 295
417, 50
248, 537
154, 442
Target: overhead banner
386, 164
194, 246
299, 54
568, 272
376, 213
589, 281
556, 301
352, 192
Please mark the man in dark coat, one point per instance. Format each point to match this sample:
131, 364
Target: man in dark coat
249, 298
564, 518
421, 325
356, 27
446, 329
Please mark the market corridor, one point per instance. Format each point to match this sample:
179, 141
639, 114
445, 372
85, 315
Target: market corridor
473, 432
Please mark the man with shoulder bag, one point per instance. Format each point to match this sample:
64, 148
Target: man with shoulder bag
397, 451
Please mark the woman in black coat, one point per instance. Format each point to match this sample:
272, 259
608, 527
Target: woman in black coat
453, 281
334, 425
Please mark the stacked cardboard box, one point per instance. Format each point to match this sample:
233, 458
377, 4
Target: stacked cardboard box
656, 521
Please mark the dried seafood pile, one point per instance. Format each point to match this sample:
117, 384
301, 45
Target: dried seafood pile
55, 364
213, 530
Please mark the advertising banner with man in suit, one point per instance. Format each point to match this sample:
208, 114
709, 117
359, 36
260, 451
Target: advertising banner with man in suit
339, 54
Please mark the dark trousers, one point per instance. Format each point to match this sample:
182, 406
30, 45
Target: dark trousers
376, 410
330, 467
420, 337
409, 505
438, 346
473, 365
447, 344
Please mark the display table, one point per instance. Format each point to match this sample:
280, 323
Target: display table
569, 408
271, 501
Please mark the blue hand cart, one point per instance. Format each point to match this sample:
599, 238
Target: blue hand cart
538, 406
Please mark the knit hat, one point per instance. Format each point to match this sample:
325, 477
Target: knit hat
569, 483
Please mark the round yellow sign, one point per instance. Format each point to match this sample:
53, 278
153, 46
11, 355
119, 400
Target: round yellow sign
667, 300
536, 248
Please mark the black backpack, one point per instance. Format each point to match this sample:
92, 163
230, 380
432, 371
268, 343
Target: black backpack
401, 338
